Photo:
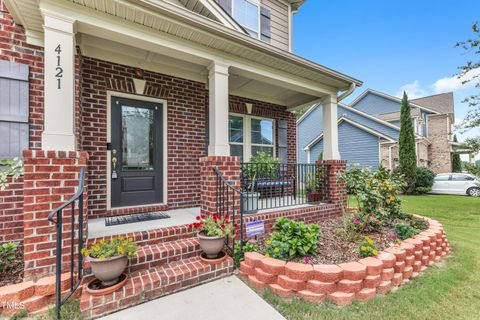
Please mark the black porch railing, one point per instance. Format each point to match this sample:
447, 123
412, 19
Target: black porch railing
270, 185
58, 213
229, 201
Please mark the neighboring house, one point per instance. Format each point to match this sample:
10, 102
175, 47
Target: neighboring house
369, 129
151, 96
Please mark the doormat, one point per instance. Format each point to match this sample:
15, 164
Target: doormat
132, 218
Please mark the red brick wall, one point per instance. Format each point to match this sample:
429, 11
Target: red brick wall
11, 211
186, 102
13, 47
230, 170
50, 179
336, 190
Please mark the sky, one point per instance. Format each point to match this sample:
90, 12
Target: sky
392, 46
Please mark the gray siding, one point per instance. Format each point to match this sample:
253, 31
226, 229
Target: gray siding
356, 146
13, 109
278, 23
307, 130
374, 104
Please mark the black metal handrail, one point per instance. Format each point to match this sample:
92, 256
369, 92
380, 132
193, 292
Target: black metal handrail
58, 212
226, 195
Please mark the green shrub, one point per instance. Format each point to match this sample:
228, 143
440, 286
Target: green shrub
405, 231
418, 224
424, 181
239, 252
368, 248
301, 238
277, 249
9, 168
8, 253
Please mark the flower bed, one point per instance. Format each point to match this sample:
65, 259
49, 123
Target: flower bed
345, 282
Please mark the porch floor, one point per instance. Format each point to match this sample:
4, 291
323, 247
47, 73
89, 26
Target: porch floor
178, 217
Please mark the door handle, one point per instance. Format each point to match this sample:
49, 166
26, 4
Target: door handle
114, 164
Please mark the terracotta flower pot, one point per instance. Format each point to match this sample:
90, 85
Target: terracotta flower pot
109, 269
211, 245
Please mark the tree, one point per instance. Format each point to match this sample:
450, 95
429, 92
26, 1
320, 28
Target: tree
469, 73
406, 141
456, 162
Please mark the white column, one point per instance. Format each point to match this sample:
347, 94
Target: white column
59, 102
330, 128
218, 110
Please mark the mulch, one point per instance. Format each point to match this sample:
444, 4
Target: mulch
14, 274
333, 248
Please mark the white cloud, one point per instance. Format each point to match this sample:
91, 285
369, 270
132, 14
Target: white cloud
413, 90
454, 83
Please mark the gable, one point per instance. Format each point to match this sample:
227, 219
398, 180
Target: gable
355, 145
374, 104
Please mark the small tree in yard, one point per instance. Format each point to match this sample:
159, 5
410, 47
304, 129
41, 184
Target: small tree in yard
456, 161
408, 158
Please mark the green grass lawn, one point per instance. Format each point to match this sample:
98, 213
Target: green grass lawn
449, 290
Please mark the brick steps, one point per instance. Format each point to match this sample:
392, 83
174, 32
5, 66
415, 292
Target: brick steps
150, 256
153, 236
152, 283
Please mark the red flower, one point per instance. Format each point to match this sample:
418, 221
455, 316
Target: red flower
235, 225
198, 218
222, 226
203, 216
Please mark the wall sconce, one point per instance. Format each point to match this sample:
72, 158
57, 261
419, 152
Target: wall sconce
249, 107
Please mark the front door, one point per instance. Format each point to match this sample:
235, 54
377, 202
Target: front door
136, 152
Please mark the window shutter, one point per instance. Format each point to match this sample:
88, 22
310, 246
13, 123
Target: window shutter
265, 24
282, 141
13, 109
226, 5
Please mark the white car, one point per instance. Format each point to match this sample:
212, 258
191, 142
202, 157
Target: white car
457, 183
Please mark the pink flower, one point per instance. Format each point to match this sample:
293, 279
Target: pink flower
356, 221
306, 260
392, 236
252, 241
366, 229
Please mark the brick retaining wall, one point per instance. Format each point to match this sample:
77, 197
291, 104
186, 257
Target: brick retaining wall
343, 283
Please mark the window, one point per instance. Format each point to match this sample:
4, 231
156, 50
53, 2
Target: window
249, 135
442, 178
247, 13
461, 177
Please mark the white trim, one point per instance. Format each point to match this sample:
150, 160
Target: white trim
310, 110
387, 96
221, 15
354, 123
111, 94
290, 28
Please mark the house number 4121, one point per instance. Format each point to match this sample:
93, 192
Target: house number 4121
59, 69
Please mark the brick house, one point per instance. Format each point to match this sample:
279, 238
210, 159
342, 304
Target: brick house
150, 97
369, 130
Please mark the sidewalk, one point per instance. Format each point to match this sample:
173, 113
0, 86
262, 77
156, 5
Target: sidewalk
225, 299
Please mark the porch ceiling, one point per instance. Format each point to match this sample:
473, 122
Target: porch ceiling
239, 85
188, 36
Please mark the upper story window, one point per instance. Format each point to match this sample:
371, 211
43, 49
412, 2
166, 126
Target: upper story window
247, 13
254, 18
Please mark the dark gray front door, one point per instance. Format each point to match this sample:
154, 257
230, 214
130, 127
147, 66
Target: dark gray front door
136, 152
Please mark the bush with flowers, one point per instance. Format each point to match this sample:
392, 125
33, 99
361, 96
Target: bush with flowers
239, 250
368, 248
112, 248
214, 225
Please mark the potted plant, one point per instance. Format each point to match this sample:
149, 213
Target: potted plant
108, 259
212, 231
313, 186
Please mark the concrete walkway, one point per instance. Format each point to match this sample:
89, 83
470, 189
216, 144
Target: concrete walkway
225, 299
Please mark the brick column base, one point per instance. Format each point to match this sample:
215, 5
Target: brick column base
336, 191
230, 169
50, 179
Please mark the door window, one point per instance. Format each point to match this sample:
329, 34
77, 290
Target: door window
137, 138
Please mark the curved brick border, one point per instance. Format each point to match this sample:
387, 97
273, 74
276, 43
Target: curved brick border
343, 283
